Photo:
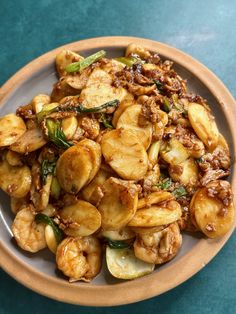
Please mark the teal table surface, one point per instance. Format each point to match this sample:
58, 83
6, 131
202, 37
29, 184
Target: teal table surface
204, 29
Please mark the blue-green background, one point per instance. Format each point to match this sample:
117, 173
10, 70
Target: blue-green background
204, 29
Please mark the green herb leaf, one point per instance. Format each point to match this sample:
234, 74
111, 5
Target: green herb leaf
47, 168
128, 61
200, 160
159, 85
81, 65
117, 244
179, 192
41, 218
166, 106
47, 110
56, 135
81, 109
106, 121
165, 184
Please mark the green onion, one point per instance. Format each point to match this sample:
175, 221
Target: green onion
166, 105
47, 168
81, 109
47, 110
115, 244
81, 65
200, 160
159, 85
106, 122
128, 61
165, 184
179, 192
56, 135
41, 218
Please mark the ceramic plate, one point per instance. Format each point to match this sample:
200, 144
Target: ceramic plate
37, 271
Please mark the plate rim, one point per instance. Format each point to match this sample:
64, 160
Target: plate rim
135, 290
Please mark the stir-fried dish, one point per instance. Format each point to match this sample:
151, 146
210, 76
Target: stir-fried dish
119, 160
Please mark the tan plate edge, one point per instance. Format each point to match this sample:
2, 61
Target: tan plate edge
164, 279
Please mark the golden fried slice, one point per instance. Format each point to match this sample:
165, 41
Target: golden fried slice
174, 152
14, 158
64, 58
88, 191
74, 168
99, 90
129, 120
123, 151
96, 155
156, 215
154, 198
203, 124
15, 181
212, 208
185, 173
39, 101
12, 128
118, 204
30, 141
81, 219
128, 101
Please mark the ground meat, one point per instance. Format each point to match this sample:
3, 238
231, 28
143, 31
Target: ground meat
218, 159
186, 136
131, 76
185, 222
25, 112
149, 112
220, 190
90, 126
197, 99
154, 58
211, 175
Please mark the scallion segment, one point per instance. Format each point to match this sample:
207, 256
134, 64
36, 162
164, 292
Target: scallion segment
179, 192
47, 167
83, 64
117, 244
128, 61
56, 135
165, 184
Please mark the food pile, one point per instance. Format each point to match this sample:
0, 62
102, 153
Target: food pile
120, 159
